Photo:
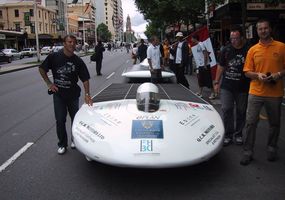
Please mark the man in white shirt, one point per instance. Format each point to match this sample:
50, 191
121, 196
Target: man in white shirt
154, 60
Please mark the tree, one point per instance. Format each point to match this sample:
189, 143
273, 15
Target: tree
103, 33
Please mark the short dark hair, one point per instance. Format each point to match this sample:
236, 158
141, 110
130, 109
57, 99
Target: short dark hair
263, 20
237, 28
69, 36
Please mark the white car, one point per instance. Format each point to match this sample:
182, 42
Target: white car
57, 48
141, 70
30, 52
46, 50
13, 53
148, 126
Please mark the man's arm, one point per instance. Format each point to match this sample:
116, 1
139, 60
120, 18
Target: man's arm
217, 80
50, 85
87, 98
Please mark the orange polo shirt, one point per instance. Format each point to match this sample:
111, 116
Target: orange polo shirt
266, 58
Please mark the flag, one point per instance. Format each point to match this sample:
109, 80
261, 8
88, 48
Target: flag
203, 34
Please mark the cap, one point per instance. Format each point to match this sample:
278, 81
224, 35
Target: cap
179, 34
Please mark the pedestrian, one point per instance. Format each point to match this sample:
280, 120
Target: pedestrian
234, 86
142, 51
99, 49
66, 68
203, 65
134, 53
166, 51
181, 59
265, 66
155, 60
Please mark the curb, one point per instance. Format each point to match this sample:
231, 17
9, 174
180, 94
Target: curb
16, 68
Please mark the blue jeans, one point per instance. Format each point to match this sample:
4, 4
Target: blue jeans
61, 107
273, 109
234, 106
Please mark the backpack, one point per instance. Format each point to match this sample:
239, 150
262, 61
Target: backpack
93, 57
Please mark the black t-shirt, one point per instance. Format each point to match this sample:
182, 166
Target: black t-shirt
66, 71
232, 60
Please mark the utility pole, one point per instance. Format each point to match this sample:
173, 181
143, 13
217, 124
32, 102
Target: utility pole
36, 29
66, 18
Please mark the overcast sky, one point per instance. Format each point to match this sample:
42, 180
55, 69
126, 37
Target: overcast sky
137, 19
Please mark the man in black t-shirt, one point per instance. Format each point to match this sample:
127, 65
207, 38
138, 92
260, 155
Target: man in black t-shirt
234, 87
66, 68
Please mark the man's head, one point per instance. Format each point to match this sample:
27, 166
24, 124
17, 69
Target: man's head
195, 38
263, 28
69, 43
179, 36
154, 40
236, 37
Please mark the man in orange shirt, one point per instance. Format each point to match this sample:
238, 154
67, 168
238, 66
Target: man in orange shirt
265, 66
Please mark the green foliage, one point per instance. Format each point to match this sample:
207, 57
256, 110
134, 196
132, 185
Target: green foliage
103, 33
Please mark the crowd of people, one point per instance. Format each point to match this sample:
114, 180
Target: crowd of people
247, 78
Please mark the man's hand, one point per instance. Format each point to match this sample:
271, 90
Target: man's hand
88, 100
53, 88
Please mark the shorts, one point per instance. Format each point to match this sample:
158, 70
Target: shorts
205, 77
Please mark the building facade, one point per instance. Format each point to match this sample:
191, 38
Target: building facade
20, 18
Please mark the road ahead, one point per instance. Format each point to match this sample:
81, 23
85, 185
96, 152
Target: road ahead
27, 120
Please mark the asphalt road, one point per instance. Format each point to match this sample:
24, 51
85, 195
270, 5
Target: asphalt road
27, 120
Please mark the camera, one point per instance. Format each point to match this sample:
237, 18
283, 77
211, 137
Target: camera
270, 79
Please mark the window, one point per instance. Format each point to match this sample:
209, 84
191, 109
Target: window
45, 15
1, 14
31, 12
39, 14
16, 13
32, 29
17, 27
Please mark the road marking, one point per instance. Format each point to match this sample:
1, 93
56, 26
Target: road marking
15, 156
112, 74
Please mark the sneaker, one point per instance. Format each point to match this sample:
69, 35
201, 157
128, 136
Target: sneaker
227, 141
246, 159
72, 145
238, 140
199, 94
61, 150
212, 96
271, 156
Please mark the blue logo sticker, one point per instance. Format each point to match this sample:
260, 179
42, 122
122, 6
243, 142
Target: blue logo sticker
146, 146
147, 129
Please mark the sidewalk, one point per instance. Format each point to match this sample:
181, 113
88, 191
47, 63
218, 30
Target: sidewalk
16, 67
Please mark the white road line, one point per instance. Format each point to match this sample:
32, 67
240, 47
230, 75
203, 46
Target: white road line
112, 74
15, 156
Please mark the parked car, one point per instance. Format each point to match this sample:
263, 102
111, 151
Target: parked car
5, 58
30, 52
13, 53
56, 48
46, 50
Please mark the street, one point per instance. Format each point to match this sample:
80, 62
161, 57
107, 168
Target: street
27, 120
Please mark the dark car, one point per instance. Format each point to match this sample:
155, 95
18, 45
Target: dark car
5, 58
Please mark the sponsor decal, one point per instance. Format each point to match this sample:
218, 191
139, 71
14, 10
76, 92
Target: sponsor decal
147, 117
190, 120
146, 146
84, 136
92, 130
214, 138
147, 129
181, 106
205, 133
112, 119
110, 106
